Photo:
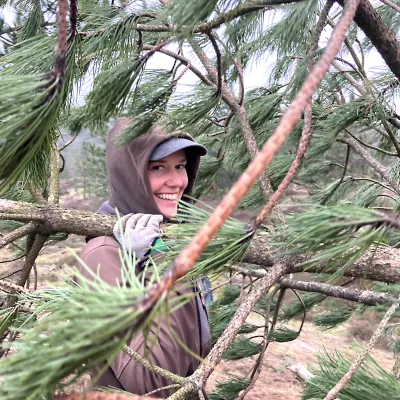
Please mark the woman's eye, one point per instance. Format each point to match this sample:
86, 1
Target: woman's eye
157, 168
181, 166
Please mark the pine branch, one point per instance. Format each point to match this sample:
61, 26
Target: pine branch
240, 112
367, 297
18, 233
384, 267
154, 368
30, 259
379, 168
380, 35
183, 60
370, 146
10, 287
360, 359
199, 378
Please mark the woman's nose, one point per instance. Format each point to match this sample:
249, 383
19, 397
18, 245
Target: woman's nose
175, 179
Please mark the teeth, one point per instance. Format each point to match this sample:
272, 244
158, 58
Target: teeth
171, 197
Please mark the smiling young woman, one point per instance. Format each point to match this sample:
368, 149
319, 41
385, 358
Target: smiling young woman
168, 180
147, 179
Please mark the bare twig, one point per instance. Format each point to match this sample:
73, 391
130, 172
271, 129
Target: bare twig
30, 258
370, 146
346, 163
54, 186
64, 146
154, 368
10, 287
360, 359
183, 60
219, 62
367, 297
17, 233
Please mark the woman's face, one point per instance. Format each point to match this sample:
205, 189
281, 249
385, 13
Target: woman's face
168, 180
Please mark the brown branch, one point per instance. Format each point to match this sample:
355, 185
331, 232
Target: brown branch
64, 146
227, 337
385, 266
391, 5
370, 146
240, 112
367, 297
306, 133
10, 287
38, 243
152, 367
54, 186
17, 233
380, 35
183, 60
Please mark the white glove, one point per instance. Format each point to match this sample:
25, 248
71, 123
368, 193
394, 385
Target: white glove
138, 232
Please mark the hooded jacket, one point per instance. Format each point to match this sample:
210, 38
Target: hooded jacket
130, 193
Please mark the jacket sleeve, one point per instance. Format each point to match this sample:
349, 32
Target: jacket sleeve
160, 348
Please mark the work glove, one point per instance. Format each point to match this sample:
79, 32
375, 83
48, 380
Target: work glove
138, 232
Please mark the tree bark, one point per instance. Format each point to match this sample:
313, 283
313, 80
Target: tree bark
384, 266
380, 35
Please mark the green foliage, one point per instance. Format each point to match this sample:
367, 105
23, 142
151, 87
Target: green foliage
230, 389
370, 381
29, 107
111, 88
147, 104
334, 192
228, 295
297, 308
352, 230
73, 333
283, 334
366, 194
228, 246
33, 23
221, 316
334, 314
209, 167
240, 348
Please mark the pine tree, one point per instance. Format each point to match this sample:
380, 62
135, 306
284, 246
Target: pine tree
322, 118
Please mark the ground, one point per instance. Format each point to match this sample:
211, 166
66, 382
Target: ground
277, 381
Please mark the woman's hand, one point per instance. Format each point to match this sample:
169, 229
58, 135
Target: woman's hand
136, 232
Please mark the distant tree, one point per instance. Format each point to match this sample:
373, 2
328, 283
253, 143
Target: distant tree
343, 147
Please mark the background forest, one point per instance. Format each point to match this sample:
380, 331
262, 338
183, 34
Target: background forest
320, 119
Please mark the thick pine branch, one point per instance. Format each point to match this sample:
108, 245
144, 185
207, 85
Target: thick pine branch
384, 266
379, 34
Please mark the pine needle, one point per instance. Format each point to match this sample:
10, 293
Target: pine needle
370, 381
227, 247
220, 316
352, 230
240, 348
111, 88
29, 106
334, 315
74, 332
230, 389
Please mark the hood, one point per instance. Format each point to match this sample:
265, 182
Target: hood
130, 190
